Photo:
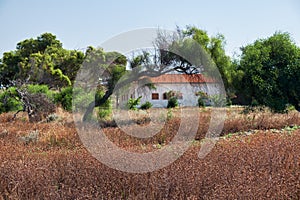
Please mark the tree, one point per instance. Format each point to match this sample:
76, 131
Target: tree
103, 69
37, 105
41, 61
215, 47
9, 67
271, 70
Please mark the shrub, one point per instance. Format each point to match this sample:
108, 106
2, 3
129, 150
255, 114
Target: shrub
169, 114
9, 100
38, 106
40, 89
228, 102
105, 110
218, 100
37, 89
65, 98
133, 103
147, 105
201, 102
290, 107
81, 99
32, 99
172, 102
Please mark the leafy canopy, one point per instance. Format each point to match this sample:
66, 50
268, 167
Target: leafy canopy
271, 72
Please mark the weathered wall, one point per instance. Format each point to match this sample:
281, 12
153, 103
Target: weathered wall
188, 93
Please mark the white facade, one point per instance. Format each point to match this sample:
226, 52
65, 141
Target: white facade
185, 86
156, 96
187, 93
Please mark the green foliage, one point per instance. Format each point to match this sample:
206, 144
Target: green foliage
169, 114
271, 72
139, 60
116, 72
290, 107
173, 93
201, 102
9, 68
9, 100
133, 103
104, 110
113, 66
215, 48
81, 98
202, 94
151, 86
104, 113
42, 89
228, 102
41, 61
218, 100
172, 102
64, 97
32, 99
37, 89
147, 105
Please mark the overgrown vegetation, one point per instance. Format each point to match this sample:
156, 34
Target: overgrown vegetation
133, 103
9, 100
147, 105
54, 164
172, 102
267, 71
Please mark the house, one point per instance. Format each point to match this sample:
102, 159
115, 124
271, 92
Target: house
185, 87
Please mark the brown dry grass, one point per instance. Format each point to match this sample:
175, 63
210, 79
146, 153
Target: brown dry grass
264, 165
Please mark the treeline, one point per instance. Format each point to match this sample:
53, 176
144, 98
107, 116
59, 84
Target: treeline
267, 73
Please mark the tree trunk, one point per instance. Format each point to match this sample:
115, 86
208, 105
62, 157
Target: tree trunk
93, 104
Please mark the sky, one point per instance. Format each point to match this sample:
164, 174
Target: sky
78, 24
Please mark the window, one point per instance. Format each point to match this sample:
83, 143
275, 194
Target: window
165, 96
155, 96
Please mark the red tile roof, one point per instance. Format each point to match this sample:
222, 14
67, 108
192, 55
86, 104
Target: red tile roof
181, 78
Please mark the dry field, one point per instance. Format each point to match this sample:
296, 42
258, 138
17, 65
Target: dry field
257, 157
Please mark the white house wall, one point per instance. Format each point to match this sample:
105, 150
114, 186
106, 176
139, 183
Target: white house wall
188, 93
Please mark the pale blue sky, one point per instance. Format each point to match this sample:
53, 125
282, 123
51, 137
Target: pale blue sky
79, 24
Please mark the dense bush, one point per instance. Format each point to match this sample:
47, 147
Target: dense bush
133, 103
172, 102
218, 100
41, 107
105, 110
64, 97
37, 89
41, 89
147, 105
77, 99
9, 100
201, 102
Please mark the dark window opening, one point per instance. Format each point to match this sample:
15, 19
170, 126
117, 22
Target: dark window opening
155, 96
165, 96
